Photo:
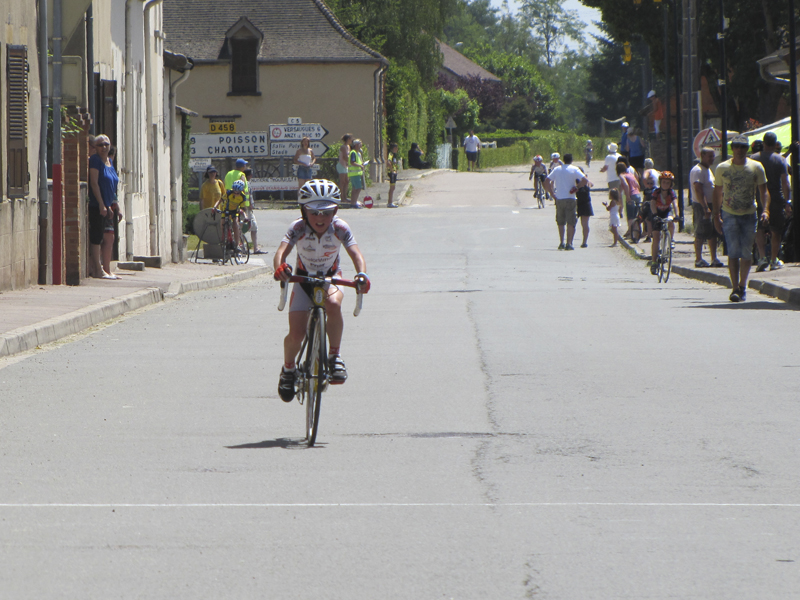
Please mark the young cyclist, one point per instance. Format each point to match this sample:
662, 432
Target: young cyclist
664, 205
234, 203
318, 235
540, 172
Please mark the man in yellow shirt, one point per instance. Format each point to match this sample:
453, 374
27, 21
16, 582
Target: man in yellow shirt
735, 211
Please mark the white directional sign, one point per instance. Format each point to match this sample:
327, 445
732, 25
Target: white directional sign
236, 145
199, 164
314, 131
289, 148
272, 184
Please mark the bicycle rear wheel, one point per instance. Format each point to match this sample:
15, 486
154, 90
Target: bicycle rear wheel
242, 251
316, 373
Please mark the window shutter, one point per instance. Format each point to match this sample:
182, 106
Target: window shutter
17, 77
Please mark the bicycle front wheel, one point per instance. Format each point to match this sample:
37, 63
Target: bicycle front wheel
317, 373
242, 251
667, 255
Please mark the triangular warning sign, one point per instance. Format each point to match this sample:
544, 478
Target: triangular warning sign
710, 138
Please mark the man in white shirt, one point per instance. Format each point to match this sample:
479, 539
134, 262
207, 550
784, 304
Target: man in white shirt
472, 145
562, 183
610, 167
702, 181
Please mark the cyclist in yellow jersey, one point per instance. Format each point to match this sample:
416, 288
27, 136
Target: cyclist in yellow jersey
233, 204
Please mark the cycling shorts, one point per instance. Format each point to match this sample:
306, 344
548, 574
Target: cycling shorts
301, 299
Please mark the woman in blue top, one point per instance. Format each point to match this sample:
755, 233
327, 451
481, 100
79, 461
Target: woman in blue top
635, 147
103, 208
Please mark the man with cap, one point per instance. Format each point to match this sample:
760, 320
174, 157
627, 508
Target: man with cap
237, 173
610, 167
735, 210
654, 109
779, 191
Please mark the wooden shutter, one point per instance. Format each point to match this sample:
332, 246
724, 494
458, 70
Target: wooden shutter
17, 77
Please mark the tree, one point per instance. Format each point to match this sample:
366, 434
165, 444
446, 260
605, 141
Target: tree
552, 25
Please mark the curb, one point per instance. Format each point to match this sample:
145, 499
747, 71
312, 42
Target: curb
50, 330
767, 288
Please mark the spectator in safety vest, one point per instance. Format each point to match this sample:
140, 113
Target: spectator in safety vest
355, 171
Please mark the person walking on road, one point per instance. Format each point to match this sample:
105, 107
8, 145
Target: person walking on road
779, 210
734, 211
342, 165
393, 163
472, 145
702, 181
610, 166
562, 184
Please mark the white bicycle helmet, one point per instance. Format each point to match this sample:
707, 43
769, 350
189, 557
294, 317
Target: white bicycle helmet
319, 194
238, 186
555, 156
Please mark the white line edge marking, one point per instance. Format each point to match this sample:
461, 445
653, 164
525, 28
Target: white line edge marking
401, 504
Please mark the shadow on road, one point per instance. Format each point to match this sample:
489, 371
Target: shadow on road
285, 443
747, 305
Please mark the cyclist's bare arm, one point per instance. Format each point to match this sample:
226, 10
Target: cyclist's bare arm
358, 259
281, 254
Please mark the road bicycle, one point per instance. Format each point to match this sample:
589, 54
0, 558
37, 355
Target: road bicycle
236, 253
539, 191
664, 258
313, 370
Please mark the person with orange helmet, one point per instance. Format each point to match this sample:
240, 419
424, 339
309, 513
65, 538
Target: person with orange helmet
664, 205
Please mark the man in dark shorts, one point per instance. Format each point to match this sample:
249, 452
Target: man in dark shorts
392, 164
778, 186
472, 145
701, 180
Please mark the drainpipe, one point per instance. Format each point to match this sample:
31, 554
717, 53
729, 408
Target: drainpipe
44, 84
176, 169
90, 96
127, 135
58, 205
153, 126
377, 154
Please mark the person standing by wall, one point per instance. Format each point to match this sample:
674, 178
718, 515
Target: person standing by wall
393, 162
778, 186
103, 209
734, 212
472, 146
562, 184
355, 171
342, 166
212, 189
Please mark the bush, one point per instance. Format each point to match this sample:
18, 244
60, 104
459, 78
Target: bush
192, 208
517, 154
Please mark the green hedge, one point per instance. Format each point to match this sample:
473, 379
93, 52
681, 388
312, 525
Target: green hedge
517, 154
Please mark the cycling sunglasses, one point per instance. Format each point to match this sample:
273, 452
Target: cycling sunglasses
321, 213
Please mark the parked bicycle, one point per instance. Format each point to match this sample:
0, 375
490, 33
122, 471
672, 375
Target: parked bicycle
313, 371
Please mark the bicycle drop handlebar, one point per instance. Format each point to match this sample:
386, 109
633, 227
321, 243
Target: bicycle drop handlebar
323, 281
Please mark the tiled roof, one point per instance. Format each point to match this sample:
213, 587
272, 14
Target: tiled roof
460, 66
294, 30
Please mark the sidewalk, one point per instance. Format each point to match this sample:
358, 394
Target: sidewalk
783, 284
43, 314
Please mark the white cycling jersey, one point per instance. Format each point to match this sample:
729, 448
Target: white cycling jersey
319, 253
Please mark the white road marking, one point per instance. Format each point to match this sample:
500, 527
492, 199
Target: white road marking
398, 505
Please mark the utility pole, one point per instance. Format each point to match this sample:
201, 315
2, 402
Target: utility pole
795, 126
722, 82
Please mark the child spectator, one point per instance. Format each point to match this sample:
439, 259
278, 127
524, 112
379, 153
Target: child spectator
614, 207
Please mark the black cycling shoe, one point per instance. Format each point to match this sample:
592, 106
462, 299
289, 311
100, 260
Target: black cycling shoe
286, 385
338, 369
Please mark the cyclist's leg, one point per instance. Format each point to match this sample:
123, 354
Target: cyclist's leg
294, 339
333, 308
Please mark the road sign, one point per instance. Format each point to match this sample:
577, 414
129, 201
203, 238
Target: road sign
272, 184
710, 137
199, 165
289, 148
450, 124
314, 131
222, 127
245, 144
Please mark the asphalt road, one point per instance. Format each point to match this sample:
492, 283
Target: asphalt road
519, 422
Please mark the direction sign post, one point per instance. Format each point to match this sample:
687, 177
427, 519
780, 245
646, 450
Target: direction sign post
314, 131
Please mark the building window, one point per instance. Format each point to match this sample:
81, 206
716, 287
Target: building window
244, 66
17, 77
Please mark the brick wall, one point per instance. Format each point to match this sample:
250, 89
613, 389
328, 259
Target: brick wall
75, 165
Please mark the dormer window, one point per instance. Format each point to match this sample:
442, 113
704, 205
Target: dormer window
244, 42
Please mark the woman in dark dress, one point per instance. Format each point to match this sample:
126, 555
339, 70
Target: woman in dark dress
584, 202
